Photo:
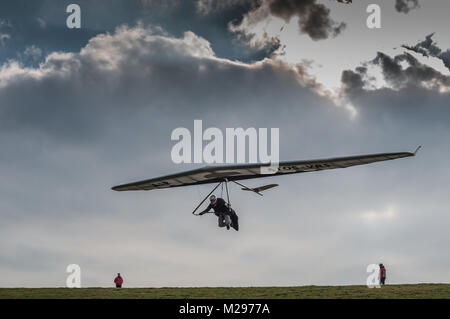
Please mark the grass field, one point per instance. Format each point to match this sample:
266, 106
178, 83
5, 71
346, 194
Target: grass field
333, 292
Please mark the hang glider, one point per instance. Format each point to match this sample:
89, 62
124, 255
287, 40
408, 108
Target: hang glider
234, 173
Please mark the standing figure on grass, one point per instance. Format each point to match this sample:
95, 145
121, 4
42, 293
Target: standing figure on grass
118, 281
382, 274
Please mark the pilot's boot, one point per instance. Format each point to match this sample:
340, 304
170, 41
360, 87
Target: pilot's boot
227, 221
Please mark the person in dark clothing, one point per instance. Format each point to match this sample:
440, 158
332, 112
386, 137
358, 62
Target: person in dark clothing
118, 281
226, 216
382, 274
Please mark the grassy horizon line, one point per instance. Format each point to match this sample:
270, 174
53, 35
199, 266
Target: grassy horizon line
394, 291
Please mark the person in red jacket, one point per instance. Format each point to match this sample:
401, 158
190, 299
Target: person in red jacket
118, 281
382, 274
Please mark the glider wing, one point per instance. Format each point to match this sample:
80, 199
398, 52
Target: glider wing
216, 174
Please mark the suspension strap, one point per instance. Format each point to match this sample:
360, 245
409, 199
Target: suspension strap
228, 195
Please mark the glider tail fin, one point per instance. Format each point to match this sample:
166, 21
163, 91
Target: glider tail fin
259, 189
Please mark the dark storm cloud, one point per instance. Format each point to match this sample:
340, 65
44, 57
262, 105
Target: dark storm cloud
445, 56
352, 82
429, 48
314, 18
405, 6
400, 71
415, 72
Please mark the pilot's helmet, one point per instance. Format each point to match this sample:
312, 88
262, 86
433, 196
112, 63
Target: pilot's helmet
212, 199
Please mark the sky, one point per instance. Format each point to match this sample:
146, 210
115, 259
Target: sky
82, 110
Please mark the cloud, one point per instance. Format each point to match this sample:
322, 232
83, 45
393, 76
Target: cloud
353, 82
413, 73
398, 72
41, 22
5, 23
445, 56
429, 48
32, 54
404, 6
4, 36
205, 7
5, 30
133, 63
380, 216
313, 18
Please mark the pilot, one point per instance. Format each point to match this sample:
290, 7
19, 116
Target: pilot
221, 210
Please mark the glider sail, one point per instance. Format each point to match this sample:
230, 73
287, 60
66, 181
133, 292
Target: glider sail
216, 174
